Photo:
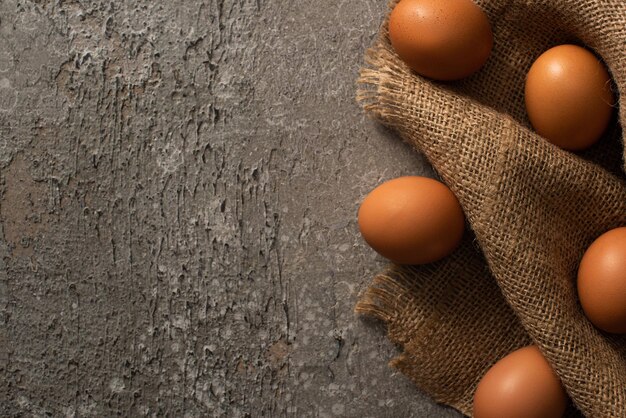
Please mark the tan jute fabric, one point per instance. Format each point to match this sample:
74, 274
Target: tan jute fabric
532, 209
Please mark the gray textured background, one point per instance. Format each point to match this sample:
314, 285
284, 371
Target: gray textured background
179, 186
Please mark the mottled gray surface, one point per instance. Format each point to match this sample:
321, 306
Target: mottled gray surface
179, 188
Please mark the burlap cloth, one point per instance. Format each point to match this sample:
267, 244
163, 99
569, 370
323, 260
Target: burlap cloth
532, 210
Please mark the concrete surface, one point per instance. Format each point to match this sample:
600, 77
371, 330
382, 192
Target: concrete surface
179, 185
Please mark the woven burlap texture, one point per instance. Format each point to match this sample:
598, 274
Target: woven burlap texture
532, 210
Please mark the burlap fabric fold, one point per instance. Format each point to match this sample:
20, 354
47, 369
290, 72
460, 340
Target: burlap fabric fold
532, 210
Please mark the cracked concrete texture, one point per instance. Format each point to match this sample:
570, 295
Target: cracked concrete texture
179, 186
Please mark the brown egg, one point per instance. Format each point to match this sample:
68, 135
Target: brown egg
412, 220
442, 40
521, 385
602, 281
568, 97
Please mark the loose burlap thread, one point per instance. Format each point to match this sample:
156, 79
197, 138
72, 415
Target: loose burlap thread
532, 209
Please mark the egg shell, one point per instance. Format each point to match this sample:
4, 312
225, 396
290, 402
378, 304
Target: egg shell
441, 39
412, 220
602, 281
521, 385
568, 97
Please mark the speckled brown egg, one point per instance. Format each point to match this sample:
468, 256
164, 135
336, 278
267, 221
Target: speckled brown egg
568, 97
521, 385
442, 40
412, 220
602, 281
